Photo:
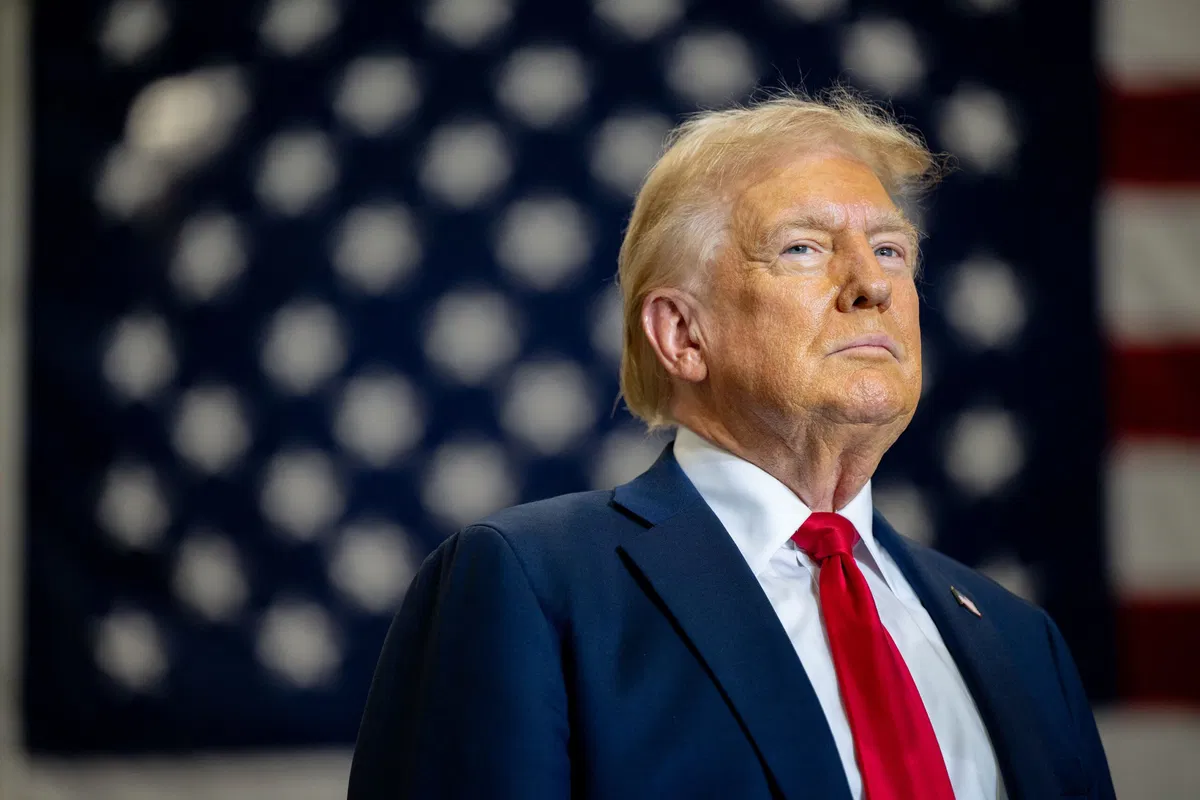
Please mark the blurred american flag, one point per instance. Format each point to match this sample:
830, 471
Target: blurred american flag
313, 283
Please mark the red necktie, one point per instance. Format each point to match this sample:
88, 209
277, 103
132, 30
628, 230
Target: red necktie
898, 753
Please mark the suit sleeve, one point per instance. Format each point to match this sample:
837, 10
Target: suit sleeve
1092, 750
468, 698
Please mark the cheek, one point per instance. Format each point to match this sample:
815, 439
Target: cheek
793, 309
770, 326
906, 310
908, 328
761, 333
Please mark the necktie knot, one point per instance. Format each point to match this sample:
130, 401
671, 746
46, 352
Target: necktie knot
825, 534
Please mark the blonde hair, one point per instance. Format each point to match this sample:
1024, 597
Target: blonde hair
682, 210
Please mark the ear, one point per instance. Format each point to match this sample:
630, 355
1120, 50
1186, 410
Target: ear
670, 321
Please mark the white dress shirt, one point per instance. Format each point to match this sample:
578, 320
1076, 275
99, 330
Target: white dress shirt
761, 514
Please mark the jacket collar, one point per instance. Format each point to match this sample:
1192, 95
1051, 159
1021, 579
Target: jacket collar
661, 492
686, 558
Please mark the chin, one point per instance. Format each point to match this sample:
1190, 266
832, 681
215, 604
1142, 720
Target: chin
855, 414
874, 399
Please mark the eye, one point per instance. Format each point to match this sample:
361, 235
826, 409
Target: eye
887, 251
799, 249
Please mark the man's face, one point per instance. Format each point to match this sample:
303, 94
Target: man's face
813, 301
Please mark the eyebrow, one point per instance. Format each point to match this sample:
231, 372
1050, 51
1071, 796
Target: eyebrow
878, 222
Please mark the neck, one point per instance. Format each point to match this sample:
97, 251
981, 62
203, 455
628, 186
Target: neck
825, 464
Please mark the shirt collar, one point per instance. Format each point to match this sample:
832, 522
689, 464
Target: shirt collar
757, 510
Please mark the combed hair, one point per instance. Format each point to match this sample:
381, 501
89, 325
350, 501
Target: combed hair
682, 210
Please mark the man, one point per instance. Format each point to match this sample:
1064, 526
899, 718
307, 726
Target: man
737, 622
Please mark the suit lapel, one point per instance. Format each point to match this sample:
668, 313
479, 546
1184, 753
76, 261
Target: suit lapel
1023, 747
716, 604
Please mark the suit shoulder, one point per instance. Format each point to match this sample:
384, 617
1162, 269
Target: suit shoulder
542, 516
566, 523
565, 545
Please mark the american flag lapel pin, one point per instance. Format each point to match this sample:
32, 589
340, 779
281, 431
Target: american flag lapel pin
965, 602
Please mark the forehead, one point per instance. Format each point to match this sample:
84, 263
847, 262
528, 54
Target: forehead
837, 188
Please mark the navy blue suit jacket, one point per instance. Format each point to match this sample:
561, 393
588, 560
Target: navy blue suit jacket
616, 645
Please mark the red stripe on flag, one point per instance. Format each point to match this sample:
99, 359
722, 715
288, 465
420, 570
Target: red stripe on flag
1154, 392
1158, 640
1152, 135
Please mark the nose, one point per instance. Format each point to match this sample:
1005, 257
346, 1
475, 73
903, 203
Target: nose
865, 284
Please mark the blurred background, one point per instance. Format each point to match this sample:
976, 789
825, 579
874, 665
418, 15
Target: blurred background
292, 289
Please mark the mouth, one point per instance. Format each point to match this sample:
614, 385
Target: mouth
870, 344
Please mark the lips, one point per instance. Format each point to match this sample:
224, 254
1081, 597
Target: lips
868, 341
